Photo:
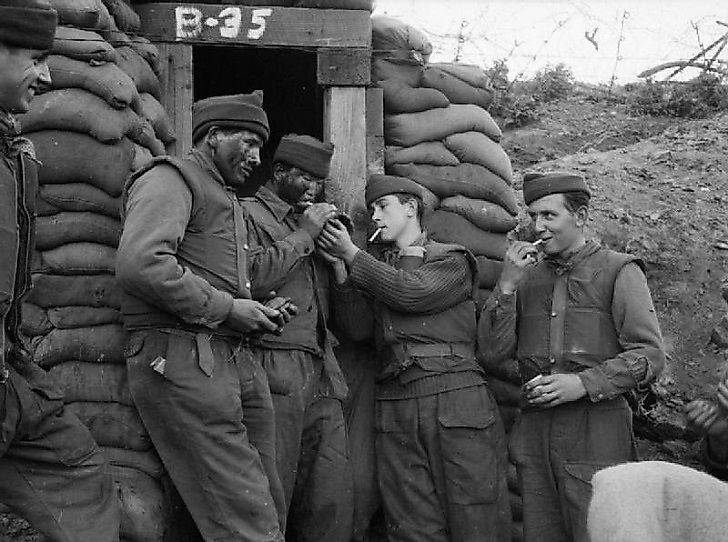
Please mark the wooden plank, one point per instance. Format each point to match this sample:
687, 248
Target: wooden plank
375, 130
345, 127
260, 26
177, 92
343, 67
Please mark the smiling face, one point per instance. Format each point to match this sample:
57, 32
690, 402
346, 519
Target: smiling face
297, 187
235, 154
23, 73
560, 228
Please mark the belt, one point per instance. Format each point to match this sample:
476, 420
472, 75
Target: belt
436, 350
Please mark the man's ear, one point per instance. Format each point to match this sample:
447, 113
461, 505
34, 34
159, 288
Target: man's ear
582, 215
411, 207
278, 171
212, 138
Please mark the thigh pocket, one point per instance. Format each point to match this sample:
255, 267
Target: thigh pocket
578, 486
471, 442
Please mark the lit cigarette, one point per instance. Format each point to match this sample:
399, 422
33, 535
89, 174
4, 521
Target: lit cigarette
374, 235
536, 243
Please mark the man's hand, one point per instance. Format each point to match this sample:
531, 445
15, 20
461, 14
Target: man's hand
519, 257
315, 217
335, 240
285, 307
705, 418
249, 316
553, 390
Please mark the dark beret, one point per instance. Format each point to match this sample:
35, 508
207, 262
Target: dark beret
243, 111
538, 185
28, 24
306, 153
383, 185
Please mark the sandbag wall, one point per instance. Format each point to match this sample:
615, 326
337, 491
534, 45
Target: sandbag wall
438, 132
100, 120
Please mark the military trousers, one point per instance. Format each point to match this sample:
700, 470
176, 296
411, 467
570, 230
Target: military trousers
206, 404
311, 447
557, 451
51, 470
441, 464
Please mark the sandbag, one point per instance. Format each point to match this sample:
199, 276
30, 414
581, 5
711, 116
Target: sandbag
63, 290
477, 148
142, 156
106, 80
77, 110
81, 197
69, 157
408, 129
140, 72
82, 45
67, 227
400, 98
484, 214
146, 137
35, 320
147, 462
470, 180
96, 344
404, 71
153, 111
447, 227
392, 37
112, 424
79, 13
141, 502
114, 36
78, 259
124, 16
98, 382
471, 74
364, 5
429, 200
148, 51
106, 21
488, 272
74, 316
428, 152
456, 90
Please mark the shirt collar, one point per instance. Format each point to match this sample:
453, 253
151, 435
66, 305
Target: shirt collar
206, 163
274, 203
11, 143
565, 264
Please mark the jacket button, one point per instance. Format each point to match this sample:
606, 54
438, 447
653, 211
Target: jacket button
553, 315
245, 246
247, 284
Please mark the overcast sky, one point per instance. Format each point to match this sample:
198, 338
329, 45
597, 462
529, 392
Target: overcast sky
533, 33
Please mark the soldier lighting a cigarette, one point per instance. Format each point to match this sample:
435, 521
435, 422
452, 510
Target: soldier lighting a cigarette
580, 321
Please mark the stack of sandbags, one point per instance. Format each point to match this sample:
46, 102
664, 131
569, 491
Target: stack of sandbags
439, 133
100, 120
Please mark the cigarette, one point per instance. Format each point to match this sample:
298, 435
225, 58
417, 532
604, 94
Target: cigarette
536, 243
374, 235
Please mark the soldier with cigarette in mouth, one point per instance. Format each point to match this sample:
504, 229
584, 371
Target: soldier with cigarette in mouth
579, 320
440, 445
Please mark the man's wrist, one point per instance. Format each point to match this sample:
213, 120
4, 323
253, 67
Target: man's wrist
350, 253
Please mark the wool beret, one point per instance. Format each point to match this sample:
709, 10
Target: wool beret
306, 153
28, 24
538, 185
243, 111
383, 185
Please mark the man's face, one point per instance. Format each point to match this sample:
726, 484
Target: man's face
235, 154
392, 216
560, 229
23, 73
298, 188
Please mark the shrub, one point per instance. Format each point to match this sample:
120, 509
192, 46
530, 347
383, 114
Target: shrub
697, 98
552, 83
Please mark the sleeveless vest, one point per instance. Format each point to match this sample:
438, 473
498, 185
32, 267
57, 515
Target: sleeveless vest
565, 319
453, 331
213, 246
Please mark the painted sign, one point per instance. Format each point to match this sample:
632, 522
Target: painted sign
190, 23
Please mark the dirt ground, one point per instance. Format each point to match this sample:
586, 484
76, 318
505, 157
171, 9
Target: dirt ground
660, 191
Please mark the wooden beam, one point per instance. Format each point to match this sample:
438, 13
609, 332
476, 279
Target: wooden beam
177, 93
375, 130
345, 127
343, 67
260, 26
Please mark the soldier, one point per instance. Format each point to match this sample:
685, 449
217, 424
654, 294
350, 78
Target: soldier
579, 320
305, 379
441, 456
182, 262
51, 471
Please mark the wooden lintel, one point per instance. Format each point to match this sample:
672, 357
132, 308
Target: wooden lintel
177, 92
345, 127
343, 67
221, 24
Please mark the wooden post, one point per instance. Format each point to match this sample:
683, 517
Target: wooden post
375, 130
177, 94
345, 127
